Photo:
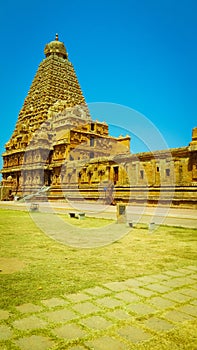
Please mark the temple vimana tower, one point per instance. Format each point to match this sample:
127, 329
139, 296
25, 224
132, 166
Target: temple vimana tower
59, 152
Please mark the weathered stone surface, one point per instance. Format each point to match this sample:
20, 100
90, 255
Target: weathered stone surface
190, 292
59, 315
54, 302
162, 303
189, 309
107, 343
77, 297
69, 331
34, 342
118, 315
85, 308
4, 315
134, 334
116, 286
127, 297
5, 332
141, 309
177, 296
97, 291
109, 302
29, 323
28, 308
158, 324
177, 316
96, 322
156, 287
143, 292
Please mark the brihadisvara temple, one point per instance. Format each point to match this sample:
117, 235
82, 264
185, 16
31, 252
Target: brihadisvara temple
57, 151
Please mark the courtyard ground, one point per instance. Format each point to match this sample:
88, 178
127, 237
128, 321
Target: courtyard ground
139, 292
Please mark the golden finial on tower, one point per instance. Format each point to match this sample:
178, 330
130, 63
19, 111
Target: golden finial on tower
56, 37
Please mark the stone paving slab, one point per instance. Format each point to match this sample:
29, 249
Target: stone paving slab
141, 309
190, 292
179, 282
53, 302
156, 287
29, 308
134, 334
184, 271
109, 302
96, 322
35, 342
189, 309
161, 303
116, 286
29, 323
133, 282
5, 332
70, 332
172, 273
115, 315
86, 308
118, 314
143, 292
77, 297
107, 343
59, 315
158, 324
177, 296
4, 315
147, 279
97, 291
163, 276
177, 316
127, 297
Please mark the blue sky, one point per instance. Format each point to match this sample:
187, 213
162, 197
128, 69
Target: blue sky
137, 53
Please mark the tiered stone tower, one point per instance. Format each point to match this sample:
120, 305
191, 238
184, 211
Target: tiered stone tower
55, 85
55, 80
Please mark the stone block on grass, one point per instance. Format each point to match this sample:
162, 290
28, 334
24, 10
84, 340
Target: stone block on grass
28, 308
69, 332
53, 302
34, 342
96, 322
85, 308
106, 343
141, 309
158, 324
134, 334
4, 315
5, 333
59, 315
29, 323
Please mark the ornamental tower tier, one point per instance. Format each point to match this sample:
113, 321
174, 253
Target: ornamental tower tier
54, 83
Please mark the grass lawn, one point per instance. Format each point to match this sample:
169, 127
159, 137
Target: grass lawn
34, 267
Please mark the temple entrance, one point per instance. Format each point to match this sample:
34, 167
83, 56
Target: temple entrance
116, 173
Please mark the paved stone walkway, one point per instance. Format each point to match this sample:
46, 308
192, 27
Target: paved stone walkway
112, 316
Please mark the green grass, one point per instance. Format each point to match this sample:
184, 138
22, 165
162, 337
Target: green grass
52, 269
41, 268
